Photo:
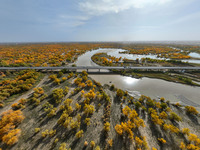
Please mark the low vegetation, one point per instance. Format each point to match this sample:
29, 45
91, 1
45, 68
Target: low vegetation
67, 110
43, 54
71, 116
105, 60
18, 84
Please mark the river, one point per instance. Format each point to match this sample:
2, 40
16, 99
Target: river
175, 92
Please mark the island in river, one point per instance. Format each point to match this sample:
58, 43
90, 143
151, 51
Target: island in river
69, 110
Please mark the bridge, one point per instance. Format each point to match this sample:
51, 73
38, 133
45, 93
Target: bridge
100, 68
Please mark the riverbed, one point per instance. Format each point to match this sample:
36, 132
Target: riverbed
155, 88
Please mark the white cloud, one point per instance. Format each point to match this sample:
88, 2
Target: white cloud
81, 18
186, 19
100, 7
70, 20
93, 8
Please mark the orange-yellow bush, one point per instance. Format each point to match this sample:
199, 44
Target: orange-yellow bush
90, 94
107, 126
8, 122
11, 137
185, 131
92, 144
138, 141
182, 146
191, 110
89, 83
110, 142
162, 140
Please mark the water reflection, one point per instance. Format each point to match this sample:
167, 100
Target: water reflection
191, 61
195, 55
85, 59
153, 87
150, 87
130, 81
117, 54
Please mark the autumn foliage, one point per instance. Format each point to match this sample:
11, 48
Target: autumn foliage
160, 51
43, 54
132, 123
8, 132
23, 81
191, 110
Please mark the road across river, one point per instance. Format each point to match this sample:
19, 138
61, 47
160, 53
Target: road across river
101, 67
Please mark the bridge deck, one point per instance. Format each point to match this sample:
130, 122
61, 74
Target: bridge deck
100, 67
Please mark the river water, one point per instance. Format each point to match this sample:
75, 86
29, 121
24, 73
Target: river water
194, 55
154, 88
116, 53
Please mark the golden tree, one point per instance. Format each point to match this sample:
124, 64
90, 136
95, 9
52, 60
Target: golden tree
107, 126
79, 134
11, 137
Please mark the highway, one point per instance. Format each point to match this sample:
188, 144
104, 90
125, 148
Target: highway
100, 67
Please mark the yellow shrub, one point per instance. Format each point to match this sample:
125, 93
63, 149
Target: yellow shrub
182, 146
110, 142
162, 140
185, 131
191, 110
107, 126
92, 144
79, 134
37, 130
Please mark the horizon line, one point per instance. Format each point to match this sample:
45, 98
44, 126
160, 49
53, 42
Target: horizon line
132, 41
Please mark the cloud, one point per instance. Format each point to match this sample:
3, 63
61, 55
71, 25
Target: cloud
92, 8
100, 7
187, 18
70, 20
81, 18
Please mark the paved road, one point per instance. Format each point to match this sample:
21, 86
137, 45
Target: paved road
100, 67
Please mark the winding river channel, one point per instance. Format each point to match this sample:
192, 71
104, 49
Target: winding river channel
175, 92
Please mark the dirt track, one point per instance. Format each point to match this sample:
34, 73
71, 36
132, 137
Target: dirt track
26, 95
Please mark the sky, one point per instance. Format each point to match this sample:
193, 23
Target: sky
99, 20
